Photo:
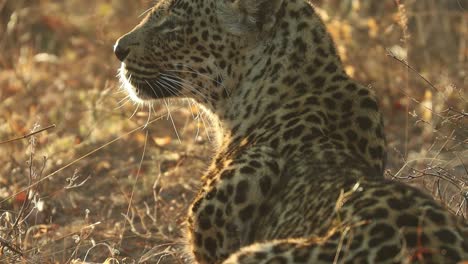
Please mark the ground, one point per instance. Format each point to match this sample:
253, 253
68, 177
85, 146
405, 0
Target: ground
109, 182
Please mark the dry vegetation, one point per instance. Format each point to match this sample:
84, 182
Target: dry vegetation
101, 186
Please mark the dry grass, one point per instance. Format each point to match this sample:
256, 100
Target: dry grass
101, 186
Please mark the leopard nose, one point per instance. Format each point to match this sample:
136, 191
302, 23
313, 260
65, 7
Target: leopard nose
120, 50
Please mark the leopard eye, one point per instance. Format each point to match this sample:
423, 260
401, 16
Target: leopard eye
170, 25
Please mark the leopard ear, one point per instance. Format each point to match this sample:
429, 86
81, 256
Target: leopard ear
248, 16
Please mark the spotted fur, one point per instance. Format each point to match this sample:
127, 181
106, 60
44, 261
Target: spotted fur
298, 174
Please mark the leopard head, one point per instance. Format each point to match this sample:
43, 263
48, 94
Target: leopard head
188, 48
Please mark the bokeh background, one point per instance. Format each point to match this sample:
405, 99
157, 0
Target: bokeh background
111, 182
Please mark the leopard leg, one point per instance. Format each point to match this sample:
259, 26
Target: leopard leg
425, 233
222, 215
351, 249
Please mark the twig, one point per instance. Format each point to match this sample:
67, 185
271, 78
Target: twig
81, 158
389, 53
28, 135
461, 162
134, 186
10, 246
71, 181
462, 114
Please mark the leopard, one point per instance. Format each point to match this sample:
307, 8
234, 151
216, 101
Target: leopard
298, 171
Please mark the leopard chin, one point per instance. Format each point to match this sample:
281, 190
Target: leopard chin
143, 90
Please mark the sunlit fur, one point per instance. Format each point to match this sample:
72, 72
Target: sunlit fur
127, 86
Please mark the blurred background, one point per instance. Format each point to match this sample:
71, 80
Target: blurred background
111, 181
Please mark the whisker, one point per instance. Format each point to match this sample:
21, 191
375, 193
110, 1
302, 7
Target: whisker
164, 83
171, 90
125, 100
145, 12
198, 73
191, 70
152, 109
170, 86
122, 105
168, 82
152, 88
172, 120
149, 115
206, 129
119, 91
186, 84
134, 112
194, 117
190, 104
